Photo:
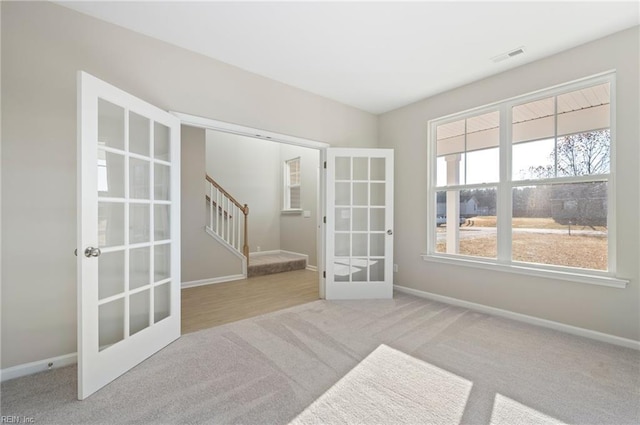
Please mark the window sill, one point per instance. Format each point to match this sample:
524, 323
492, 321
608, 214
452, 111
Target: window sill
293, 211
592, 279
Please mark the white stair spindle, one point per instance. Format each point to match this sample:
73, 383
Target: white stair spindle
211, 206
226, 220
231, 223
218, 221
229, 220
234, 223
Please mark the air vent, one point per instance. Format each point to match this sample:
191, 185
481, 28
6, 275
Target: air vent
508, 55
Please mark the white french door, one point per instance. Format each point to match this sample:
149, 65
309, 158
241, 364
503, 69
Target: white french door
359, 227
128, 232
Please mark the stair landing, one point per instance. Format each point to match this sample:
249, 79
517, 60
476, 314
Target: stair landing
270, 263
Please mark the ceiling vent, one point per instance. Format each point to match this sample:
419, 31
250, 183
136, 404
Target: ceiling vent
508, 55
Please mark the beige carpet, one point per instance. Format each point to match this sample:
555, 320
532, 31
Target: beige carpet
452, 364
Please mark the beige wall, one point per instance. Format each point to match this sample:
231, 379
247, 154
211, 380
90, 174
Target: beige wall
202, 256
251, 169
43, 46
299, 233
609, 310
247, 168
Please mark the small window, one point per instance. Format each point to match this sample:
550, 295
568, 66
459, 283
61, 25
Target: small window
292, 199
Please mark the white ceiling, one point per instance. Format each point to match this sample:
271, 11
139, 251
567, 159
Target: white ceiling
376, 56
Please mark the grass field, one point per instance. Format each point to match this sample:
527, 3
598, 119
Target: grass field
583, 251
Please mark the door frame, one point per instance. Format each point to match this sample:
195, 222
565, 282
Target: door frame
256, 133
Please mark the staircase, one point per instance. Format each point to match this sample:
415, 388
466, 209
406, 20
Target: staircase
228, 223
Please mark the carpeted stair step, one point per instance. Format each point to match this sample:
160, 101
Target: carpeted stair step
276, 267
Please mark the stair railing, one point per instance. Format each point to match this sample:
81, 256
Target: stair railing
228, 218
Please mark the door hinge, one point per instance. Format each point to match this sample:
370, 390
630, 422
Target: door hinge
324, 274
325, 165
324, 219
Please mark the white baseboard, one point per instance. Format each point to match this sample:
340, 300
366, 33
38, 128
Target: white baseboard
574, 330
38, 366
276, 252
312, 268
260, 253
295, 253
212, 281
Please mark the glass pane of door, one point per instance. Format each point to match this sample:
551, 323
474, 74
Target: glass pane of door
110, 323
110, 274
139, 137
162, 305
139, 311
110, 125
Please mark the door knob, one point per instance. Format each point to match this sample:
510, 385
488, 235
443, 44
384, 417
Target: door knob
92, 252
389, 232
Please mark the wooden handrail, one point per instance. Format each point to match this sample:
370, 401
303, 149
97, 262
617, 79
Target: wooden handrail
244, 209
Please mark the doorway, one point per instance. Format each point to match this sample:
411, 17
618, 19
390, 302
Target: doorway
248, 161
279, 184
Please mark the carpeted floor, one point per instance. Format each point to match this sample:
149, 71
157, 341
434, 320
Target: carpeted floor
269, 369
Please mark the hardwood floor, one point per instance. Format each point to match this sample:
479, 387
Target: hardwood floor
213, 305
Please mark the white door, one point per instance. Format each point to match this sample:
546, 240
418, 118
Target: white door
359, 232
128, 232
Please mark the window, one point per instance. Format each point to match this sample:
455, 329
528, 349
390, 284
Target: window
292, 184
526, 182
468, 164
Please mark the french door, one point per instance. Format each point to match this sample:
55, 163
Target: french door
128, 232
359, 223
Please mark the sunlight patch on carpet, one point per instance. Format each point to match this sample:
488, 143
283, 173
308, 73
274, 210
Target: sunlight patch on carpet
507, 412
389, 386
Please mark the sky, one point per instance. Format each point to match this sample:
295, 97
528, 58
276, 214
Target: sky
483, 166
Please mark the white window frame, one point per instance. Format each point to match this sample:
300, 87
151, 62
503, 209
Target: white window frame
287, 186
506, 184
